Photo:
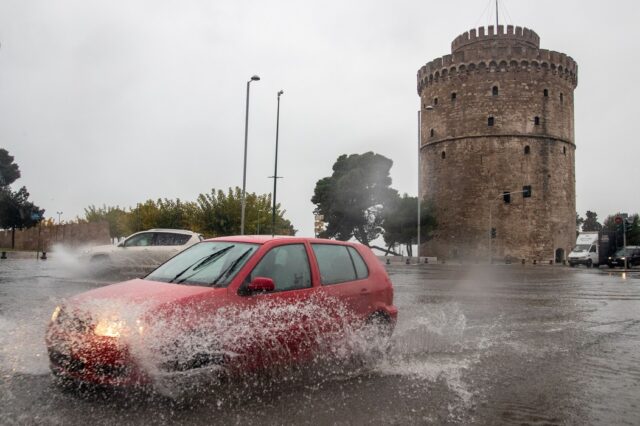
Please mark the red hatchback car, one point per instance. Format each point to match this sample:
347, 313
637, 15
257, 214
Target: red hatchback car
231, 304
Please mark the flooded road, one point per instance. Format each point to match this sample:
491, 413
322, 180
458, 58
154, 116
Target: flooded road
506, 344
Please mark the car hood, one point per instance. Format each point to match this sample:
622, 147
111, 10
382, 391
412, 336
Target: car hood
143, 292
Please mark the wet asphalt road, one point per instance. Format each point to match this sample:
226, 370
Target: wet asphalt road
474, 344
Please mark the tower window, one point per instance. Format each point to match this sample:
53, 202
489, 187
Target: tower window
432, 132
490, 121
453, 96
435, 101
494, 91
506, 197
561, 98
527, 149
443, 155
564, 150
526, 191
536, 121
546, 92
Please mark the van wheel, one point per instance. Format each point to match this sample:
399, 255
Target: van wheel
589, 263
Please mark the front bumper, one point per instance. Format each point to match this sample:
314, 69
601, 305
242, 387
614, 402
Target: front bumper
579, 260
94, 360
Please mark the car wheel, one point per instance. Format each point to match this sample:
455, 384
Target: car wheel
378, 332
589, 263
571, 264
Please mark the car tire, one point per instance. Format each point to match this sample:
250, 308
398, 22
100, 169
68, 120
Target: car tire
571, 264
589, 263
380, 326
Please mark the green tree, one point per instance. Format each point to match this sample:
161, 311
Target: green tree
17, 212
116, 217
353, 198
9, 171
632, 228
219, 214
401, 222
591, 222
579, 222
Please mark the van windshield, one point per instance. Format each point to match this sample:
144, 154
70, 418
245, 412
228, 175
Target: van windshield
582, 247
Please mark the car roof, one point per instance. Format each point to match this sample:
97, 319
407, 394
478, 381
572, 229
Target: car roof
262, 239
176, 231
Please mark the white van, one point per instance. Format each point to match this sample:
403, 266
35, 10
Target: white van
592, 249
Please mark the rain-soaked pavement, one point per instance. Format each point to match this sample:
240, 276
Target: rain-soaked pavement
474, 344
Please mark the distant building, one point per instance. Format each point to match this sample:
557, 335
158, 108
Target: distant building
497, 117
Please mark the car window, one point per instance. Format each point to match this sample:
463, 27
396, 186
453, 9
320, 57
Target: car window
206, 263
287, 266
170, 239
139, 240
335, 263
361, 268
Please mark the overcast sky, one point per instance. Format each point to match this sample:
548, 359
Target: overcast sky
116, 102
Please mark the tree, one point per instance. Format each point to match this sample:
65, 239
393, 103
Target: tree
353, 198
579, 222
632, 227
219, 214
9, 171
115, 216
17, 212
401, 222
591, 222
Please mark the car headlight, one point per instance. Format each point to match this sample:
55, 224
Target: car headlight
622, 258
110, 328
54, 315
115, 328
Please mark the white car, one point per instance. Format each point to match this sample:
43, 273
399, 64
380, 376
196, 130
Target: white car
143, 250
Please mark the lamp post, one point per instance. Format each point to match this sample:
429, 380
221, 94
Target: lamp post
59, 214
244, 168
275, 171
427, 108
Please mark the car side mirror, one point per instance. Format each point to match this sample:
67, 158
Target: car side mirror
260, 284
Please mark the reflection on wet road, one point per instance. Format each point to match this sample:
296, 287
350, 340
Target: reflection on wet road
474, 344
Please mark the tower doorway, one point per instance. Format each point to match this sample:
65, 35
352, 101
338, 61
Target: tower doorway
559, 255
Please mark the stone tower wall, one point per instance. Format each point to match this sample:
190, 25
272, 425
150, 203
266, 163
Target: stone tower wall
466, 163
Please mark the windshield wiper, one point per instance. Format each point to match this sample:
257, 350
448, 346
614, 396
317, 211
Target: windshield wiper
232, 266
201, 262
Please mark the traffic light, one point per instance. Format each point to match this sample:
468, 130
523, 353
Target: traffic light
526, 191
506, 197
493, 233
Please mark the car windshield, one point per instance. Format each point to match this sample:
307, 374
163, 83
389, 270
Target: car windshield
581, 247
623, 252
206, 263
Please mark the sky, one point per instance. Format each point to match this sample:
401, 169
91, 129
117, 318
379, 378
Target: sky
117, 102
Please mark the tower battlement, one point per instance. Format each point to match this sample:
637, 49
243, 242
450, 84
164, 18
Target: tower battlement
491, 36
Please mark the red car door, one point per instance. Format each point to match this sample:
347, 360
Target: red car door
277, 323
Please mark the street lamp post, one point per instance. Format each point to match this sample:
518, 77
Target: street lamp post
427, 108
275, 171
59, 214
244, 168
